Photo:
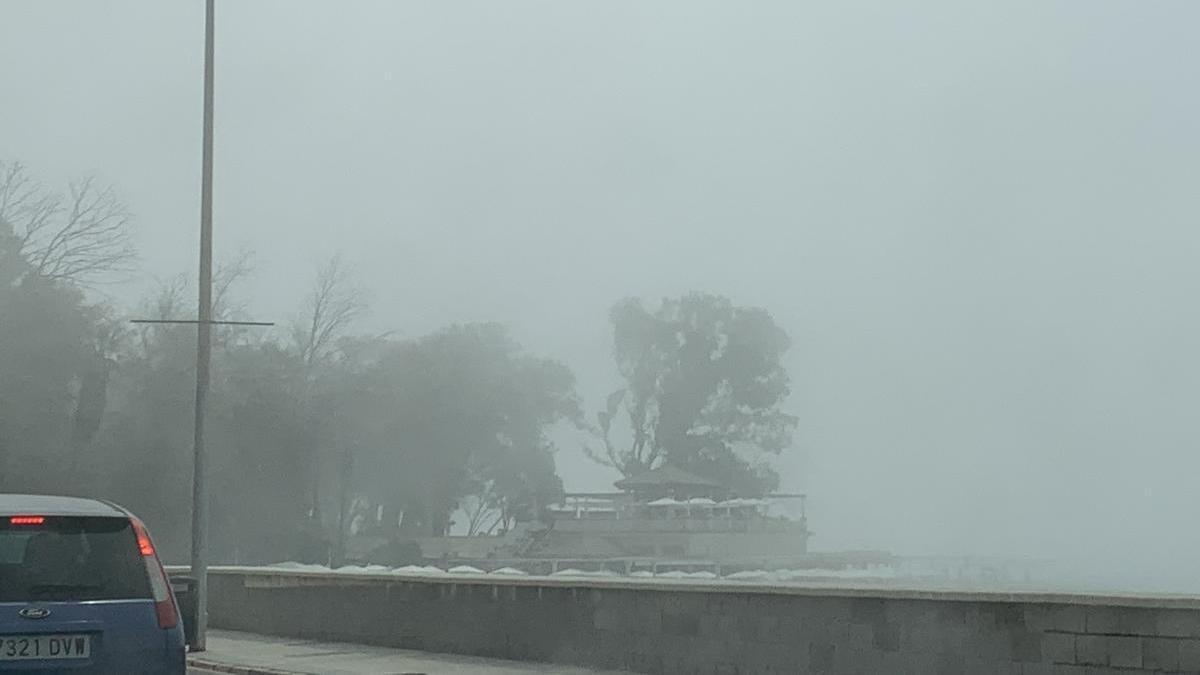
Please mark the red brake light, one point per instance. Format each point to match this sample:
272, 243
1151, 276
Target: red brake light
164, 600
144, 545
26, 520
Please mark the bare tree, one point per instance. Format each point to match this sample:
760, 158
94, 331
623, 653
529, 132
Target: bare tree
481, 508
225, 305
332, 305
24, 203
77, 238
227, 275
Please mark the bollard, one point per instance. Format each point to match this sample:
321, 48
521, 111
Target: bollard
184, 588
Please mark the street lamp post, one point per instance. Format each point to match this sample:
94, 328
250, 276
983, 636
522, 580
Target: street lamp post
204, 322
203, 346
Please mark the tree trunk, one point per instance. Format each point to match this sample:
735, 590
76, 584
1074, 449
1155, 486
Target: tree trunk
344, 478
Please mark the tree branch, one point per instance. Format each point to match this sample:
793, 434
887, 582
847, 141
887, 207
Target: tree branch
79, 244
333, 304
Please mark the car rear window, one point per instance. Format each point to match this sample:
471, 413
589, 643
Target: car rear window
70, 558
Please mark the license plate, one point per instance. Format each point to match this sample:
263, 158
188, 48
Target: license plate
26, 647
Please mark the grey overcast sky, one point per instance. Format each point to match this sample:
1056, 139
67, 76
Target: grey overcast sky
977, 220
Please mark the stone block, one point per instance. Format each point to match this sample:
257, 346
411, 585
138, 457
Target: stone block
1090, 650
922, 633
752, 628
956, 664
777, 630
868, 610
904, 611
806, 629
680, 624
685, 603
780, 606
646, 663
1137, 621
609, 619
1160, 653
1058, 647
856, 662
1178, 623
852, 636
821, 656
646, 616
1025, 646
1101, 620
1124, 651
726, 603
929, 637
773, 658
823, 609
717, 625
1007, 615
1189, 655
1064, 670
1108, 650
924, 664
948, 664
897, 663
991, 645
885, 637
985, 667
1070, 618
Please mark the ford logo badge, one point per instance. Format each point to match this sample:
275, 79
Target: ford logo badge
34, 613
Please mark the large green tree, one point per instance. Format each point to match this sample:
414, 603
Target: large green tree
142, 456
300, 423
45, 347
458, 412
55, 344
704, 389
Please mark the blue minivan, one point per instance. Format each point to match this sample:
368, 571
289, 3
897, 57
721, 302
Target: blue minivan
83, 591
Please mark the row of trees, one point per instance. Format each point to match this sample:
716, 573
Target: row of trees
311, 421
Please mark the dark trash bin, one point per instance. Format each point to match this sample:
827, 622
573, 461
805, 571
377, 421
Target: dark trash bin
184, 588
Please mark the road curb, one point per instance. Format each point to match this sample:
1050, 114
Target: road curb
234, 669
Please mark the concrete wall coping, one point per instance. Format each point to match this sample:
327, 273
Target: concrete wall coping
267, 576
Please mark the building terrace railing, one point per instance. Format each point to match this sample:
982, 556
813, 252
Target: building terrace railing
723, 525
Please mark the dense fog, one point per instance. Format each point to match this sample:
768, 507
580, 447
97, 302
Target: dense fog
956, 241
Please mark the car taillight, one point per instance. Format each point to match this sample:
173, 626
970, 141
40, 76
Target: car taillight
26, 520
164, 600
